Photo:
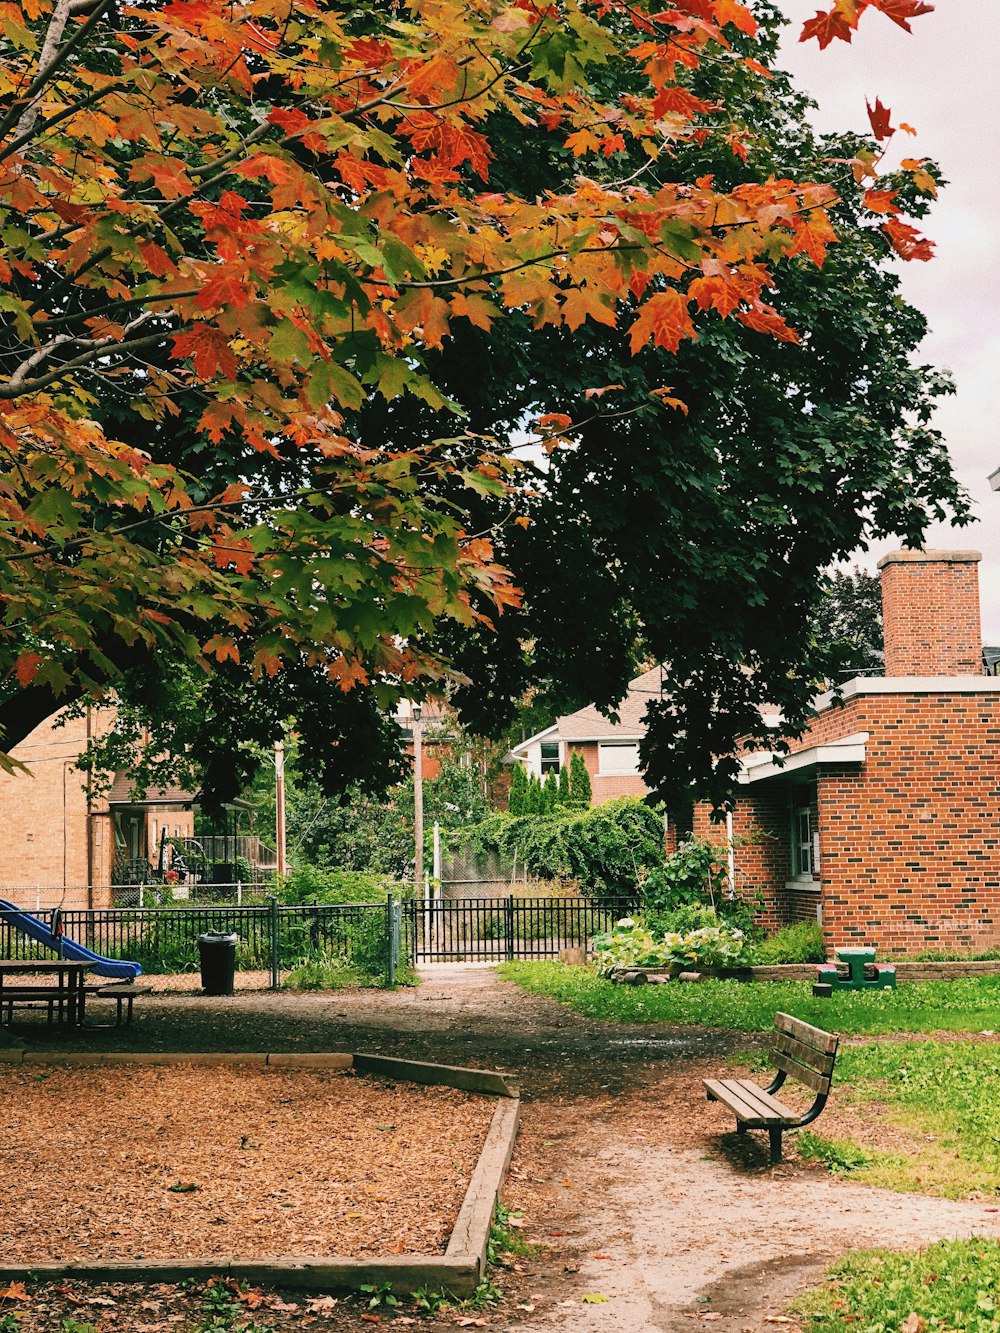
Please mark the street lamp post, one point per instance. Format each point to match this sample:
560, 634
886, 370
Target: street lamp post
418, 805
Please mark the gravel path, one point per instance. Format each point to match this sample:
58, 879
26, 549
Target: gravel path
635, 1188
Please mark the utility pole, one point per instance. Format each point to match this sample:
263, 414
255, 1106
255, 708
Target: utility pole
279, 804
418, 805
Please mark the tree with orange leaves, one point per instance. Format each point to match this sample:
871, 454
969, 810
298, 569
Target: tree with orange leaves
243, 223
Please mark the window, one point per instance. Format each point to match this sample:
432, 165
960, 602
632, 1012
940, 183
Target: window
618, 758
803, 860
550, 757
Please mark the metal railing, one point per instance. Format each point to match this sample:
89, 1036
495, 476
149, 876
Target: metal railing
500, 929
380, 936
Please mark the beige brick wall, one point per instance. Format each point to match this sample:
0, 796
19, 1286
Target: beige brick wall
44, 816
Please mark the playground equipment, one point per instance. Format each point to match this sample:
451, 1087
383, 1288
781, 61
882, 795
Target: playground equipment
118, 969
854, 969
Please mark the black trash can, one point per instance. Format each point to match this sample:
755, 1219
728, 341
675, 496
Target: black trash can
217, 949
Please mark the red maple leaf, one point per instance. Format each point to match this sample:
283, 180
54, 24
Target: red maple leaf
879, 115
900, 11
907, 241
826, 26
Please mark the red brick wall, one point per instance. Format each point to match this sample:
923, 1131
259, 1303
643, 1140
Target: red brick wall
930, 613
909, 841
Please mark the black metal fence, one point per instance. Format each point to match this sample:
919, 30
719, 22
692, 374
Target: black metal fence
500, 929
165, 939
381, 935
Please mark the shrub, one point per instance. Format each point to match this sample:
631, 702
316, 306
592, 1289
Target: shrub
311, 884
632, 944
579, 780
695, 873
518, 790
800, 943
606, 849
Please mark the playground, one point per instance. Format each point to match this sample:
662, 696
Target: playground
629, 1185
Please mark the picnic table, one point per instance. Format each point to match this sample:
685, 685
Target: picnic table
62, 989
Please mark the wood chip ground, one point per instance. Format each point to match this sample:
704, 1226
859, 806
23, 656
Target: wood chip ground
146, 1162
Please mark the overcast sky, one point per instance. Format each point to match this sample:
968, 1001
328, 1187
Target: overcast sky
943, 79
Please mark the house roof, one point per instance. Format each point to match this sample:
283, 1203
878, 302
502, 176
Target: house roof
121, 794
588, 724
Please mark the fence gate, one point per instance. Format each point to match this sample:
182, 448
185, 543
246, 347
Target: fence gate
500, 929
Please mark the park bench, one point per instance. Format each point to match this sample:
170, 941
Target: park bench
123, 994
800, 1052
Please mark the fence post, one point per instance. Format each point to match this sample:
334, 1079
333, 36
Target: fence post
508, 922
275, 978
392, 940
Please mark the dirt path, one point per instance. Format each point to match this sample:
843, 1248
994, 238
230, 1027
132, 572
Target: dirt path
632, 1185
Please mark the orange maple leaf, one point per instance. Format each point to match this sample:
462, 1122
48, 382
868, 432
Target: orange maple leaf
209, 348
907, 241
813, 233
880, 201
665, 318
26, 669
826, 26
901, 11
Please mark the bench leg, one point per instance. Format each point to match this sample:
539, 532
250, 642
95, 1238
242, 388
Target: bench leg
740, 1127
774, 1134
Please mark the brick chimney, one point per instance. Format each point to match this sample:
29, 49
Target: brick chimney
930, 613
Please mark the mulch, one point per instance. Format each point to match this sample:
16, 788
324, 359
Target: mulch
148, 1162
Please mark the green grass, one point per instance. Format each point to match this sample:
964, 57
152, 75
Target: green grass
954, 1286
969, 1004
946, 1095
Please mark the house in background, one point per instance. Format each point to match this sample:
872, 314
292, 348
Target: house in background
60, 843
883, 821
609, 749
66, 843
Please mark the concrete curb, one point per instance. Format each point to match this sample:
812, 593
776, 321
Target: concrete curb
458, 1271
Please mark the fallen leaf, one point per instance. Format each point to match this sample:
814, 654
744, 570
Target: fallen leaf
594, 1298
912, 1323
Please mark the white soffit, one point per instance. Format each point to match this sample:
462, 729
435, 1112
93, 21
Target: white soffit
758, 767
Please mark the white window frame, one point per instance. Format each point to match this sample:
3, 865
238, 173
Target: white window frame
804, 848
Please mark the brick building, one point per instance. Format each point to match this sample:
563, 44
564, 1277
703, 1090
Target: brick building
60, 845
884, 820
609, 749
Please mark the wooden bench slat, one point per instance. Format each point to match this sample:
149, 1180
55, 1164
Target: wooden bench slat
805, 1032
769, 1100
806, 1055
801, 1073
741, 1103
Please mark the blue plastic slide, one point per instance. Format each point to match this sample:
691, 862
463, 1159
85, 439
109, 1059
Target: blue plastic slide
30, 925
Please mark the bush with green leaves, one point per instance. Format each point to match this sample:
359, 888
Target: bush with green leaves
315, 884
696, 874
798, 943
632, 944
606, 849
